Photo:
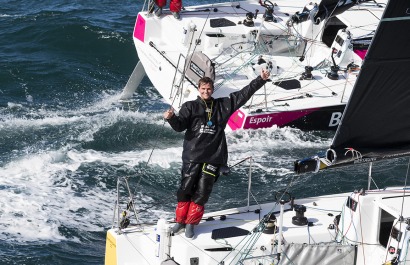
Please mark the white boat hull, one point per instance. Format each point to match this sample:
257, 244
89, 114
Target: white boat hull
365, 223
164, 45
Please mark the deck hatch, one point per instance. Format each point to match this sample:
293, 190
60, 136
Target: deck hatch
228, 232
221, 22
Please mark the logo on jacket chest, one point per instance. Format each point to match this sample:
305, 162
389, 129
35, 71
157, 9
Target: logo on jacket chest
207, 129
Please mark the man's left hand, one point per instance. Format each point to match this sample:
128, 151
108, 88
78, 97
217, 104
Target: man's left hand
265, 74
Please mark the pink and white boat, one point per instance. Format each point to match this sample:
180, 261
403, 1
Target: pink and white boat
314, 52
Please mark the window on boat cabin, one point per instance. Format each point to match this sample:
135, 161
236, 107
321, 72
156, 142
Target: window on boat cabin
331, 29
386, 224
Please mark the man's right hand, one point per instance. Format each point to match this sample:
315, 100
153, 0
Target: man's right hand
169, 113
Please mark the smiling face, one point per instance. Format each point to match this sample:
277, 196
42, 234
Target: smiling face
205, 90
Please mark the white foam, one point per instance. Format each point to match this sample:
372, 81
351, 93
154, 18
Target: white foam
270, 148
14, 105
159, 157
45, 191
41, 192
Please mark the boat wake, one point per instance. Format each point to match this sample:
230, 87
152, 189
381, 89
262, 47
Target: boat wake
64, 164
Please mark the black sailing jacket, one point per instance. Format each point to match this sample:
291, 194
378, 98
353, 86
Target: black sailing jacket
205, 143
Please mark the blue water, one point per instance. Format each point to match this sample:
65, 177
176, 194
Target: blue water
65, 138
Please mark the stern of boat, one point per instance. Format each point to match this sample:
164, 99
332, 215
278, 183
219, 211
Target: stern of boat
111, 248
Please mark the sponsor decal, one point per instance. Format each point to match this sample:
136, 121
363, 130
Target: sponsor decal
207, 129
279, 119
364, 160
261, 121
335, 119
210, 167
198, 71
257, 120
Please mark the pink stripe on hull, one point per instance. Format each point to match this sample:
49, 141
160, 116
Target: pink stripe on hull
361, 53
139, 29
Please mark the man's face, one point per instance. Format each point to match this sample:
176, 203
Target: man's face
205, 91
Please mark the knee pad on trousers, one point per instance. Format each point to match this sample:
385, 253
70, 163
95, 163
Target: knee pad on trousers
160, 3
175, 5
195, 213
181, 212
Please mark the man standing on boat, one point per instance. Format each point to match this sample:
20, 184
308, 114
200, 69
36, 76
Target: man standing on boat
204, 149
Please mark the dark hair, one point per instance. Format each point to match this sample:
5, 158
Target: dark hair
206, 80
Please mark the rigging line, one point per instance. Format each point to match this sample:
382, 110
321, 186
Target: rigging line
257, 51
234, 9
344, 88
150, 6
132, 244
325, 21
155, 146
189, 241
189, 61
361, 230
180, 85
257, 203
145, 2
170, 194
246, 245
261, 222
407, 251
281, 27
190, 45
219, 85
405, 187
351, 223
287, 257
162, 53
289, 73
230, 63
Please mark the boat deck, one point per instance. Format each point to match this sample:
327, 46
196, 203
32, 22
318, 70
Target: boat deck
233, 234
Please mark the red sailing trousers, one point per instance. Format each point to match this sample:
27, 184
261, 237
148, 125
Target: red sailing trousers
174, 5
196, 186
189, 213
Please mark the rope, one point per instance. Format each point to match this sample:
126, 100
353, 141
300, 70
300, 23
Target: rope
251, 240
